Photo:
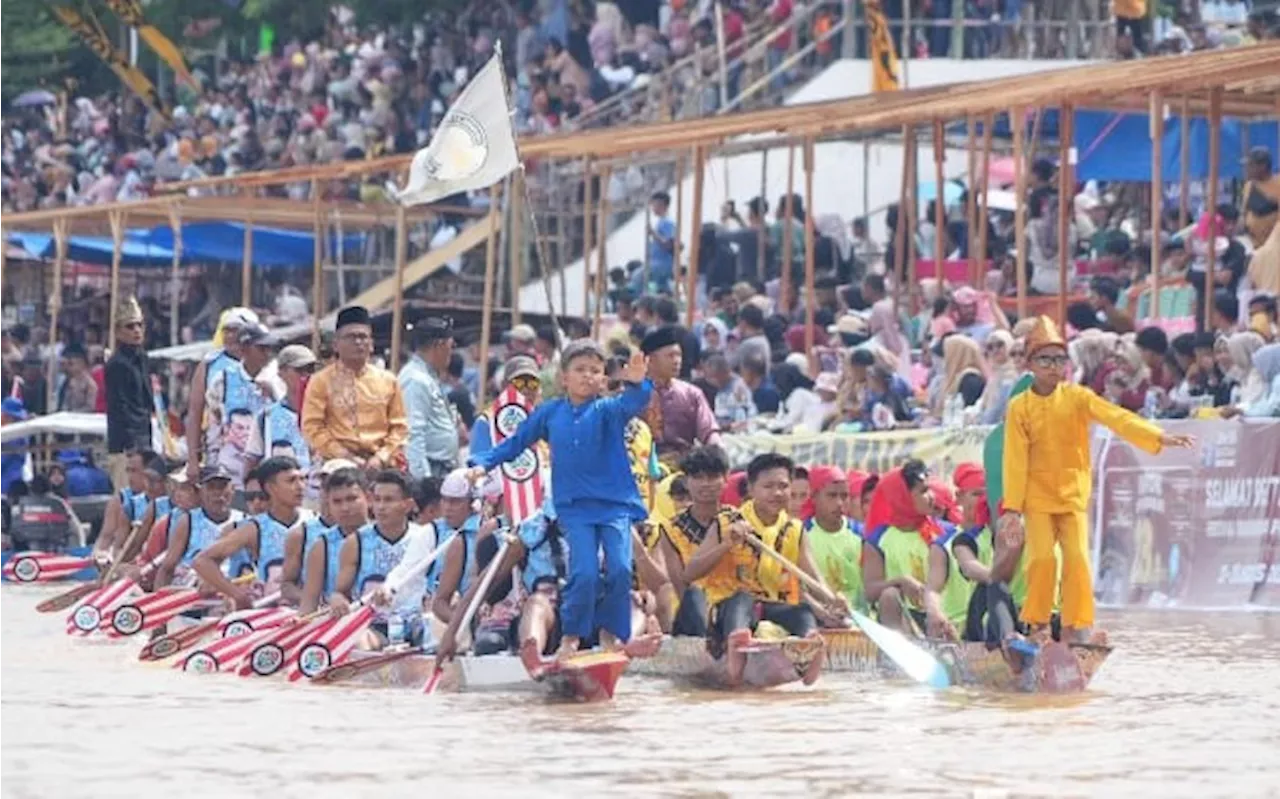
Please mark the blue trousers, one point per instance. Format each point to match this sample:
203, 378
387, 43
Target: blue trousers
591, 599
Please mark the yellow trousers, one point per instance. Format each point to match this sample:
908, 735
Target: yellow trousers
1071, 532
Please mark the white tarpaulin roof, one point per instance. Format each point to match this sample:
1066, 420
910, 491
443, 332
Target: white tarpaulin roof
62, 423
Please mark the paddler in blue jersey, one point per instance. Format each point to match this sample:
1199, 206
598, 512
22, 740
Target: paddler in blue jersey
305, 533
198, 530
347, 507
596, 495
125, 508
260, 539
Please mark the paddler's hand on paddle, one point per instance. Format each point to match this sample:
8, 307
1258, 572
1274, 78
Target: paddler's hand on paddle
339, 605
487, 528
636, 369
241, 596
738, 532
1178, 441
912, 589
941, 627
381, 597
447, 649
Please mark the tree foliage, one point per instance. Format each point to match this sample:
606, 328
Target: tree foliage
36, 50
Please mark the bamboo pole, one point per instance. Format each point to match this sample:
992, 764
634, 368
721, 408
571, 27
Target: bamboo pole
1020, 205
648, 226
900, 233
761, 240
810, 291
116, 220
4, 261
61, 234
397, 306
486, 314
1066, 186
246, 264
695, 244
913, 222
175, 326
971, 208
785, 290
988, 124
317, 265
602, 258
940, 203
1211, 201
677, 246
588, 239
1184, 156
1156, 115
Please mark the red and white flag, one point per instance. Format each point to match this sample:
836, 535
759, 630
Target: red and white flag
522, 487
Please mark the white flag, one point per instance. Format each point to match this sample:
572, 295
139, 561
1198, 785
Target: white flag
473, 148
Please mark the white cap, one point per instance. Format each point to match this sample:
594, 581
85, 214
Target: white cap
238, 318
456, 485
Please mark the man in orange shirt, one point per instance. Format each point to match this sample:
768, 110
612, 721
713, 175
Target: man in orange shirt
1131, 18
1047, 479
353, 409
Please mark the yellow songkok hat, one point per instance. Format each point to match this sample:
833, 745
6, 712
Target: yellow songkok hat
1044, 334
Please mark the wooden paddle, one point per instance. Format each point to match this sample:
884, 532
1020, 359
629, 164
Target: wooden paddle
916, 662
342, 672
485, 581
68, 598
173, 643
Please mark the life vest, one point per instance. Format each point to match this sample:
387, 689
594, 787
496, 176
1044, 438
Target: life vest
744, 568
203, 531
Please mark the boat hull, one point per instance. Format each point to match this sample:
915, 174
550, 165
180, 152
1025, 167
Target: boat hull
769, 663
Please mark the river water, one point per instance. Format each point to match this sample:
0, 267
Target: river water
1188, 706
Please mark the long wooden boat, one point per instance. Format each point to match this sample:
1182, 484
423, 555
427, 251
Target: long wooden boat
1058, 668
769, 663
591, 675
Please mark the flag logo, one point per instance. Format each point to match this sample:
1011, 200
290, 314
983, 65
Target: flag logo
464, 149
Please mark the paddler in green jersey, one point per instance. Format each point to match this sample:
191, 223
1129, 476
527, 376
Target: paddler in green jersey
961, 562
835, 547
900, 529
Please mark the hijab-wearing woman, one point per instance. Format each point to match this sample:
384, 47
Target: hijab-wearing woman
1090, 351
900, 527
886, 331
964, 372
1267, 361
1004, 373
1237, 365
1124, 378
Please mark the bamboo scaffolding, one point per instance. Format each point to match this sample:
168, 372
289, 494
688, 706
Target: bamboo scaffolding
695, 244
787, 276
516, 200
1066, 195
1211, 203
246, 264
175, 300
61, 233
940, 203
317, 265
116, 219
988, 124
1016, 121
397, 304
810, 291
588, 246
971, 197
602, 257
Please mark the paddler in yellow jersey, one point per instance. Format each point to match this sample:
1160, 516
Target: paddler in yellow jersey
745, 587
1047, 479
704, 470
837, 548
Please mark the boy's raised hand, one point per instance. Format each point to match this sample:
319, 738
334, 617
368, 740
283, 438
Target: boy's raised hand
636, 369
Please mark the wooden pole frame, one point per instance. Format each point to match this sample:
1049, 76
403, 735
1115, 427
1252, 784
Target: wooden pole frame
913, 220
116, 219
695, 243
988, 124
785, 287
397, 305
175, 304
61, 235
677, 246
516, 249
1017, 122
971, 208
762, 241
602, 247
900, 232
1156, 115
1184, 156
940, 202
1066, 193
317, 265
810, 290
1211, 200
588, 239
486, 314
246, 264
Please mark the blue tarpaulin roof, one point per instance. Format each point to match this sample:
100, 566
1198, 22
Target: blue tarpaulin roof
202, 242
1117, 146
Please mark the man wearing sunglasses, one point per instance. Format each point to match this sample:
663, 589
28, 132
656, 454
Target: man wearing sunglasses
128, 391
1047, 478
521, 373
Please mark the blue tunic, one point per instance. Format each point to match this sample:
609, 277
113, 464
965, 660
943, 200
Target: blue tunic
271, 537
203, 532
546, 551
444, 534
317, 532
279, 426
134, 504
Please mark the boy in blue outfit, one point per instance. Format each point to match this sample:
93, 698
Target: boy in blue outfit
596, 496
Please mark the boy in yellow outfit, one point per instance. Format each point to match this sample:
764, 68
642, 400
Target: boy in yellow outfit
1047, 479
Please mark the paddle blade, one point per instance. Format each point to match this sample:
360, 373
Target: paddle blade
918, 664
66, 599
43, 567
433, 681
332, 645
